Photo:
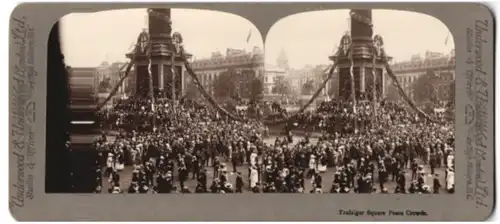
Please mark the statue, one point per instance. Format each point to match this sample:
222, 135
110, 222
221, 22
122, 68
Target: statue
345, 43
378, 43
177, 39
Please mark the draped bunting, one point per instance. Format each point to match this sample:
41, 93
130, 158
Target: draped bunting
405, 97
353, 84
151, 91
374, 84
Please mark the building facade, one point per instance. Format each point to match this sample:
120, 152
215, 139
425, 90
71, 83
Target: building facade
241, 61
407, 72
272, 75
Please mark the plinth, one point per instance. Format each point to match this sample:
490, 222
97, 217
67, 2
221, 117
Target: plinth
357, 51
156, 49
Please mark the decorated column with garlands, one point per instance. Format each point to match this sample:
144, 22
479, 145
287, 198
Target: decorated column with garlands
157, 55
359, 60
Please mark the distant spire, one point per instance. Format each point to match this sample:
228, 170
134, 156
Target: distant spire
282, 60
107, 57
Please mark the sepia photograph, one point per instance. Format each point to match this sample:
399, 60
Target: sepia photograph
352, 101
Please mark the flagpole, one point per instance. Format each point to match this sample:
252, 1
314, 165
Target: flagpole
248, 39
151, 91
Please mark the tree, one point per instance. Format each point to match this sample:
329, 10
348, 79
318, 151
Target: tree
244, 80
424, 88
256, 89
282, 86
192, 91
308, 87
225, 84
452, 92
392, 93
105, 85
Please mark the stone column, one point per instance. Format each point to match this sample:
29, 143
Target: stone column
362, 78
383, 84
161, 77
183, 82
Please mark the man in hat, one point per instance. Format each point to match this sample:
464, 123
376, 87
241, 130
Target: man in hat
239, 183
216, 166
183, 174
223, 177
235, 159
382, 176
414, 167
436, 185
196, 166
401, 181
150, 171
433, 162
161, 183
317, 180
114, 178
202, 178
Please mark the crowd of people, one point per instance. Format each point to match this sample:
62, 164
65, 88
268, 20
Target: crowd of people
169, 145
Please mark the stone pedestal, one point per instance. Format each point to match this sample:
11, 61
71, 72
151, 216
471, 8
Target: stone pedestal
361, 45
159, 41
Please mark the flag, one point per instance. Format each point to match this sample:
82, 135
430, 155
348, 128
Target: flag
249, 35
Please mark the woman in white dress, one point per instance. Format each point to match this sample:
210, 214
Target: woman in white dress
254, 177
312, 166
450, 180
110, 164
449, 160
253, 158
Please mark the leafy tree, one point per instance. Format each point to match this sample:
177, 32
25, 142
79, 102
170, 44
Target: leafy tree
424, 88
256, 89
452, 91
105, 85
392, 93
244, 83
225, 84
192, 91
308, 87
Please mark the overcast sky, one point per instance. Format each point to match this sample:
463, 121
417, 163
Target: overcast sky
310, 37
307, 38
91, 38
